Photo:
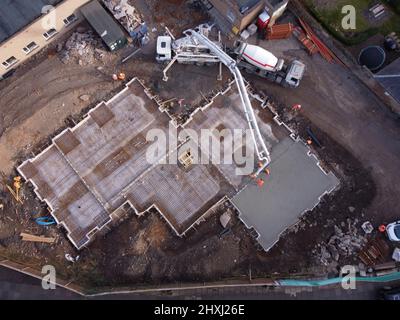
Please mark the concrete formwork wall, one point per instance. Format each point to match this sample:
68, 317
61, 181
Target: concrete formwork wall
13, 47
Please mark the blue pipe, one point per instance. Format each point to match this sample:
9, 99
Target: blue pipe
318, 283
45, 221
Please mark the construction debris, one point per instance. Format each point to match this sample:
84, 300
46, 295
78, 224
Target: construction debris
392, 41
130, 56
396, 255
126, 14
342, 243
252, 29
226, 218
326, 53
70, 258
85, 97
32, 238
367, 227
82, 48
385, 266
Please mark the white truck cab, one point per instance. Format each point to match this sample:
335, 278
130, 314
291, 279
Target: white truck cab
164, 49
295, 73
393, 231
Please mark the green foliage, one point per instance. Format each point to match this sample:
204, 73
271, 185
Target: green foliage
331, 20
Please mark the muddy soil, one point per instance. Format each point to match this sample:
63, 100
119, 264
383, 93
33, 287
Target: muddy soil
177, 15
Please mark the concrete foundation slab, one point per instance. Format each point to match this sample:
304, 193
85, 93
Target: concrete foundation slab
295, 185
97, 171
101, 164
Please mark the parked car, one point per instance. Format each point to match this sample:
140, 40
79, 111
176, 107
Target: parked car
390, 294
393, 231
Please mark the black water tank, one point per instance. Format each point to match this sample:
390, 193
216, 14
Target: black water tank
372, 57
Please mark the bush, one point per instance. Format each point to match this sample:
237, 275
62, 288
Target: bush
395, 4
345, 39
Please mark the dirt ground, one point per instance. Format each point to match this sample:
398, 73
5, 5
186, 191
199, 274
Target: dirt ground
361, 143
376, 40
360, 137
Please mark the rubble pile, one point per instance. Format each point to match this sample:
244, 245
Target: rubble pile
125, 13
83, 48
346, 241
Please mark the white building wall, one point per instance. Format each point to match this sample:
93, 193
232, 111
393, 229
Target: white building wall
13, 47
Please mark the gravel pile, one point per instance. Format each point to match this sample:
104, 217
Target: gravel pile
347, 240
83, 48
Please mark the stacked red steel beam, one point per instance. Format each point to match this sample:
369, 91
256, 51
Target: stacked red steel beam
308, 44
280, 31
322, 48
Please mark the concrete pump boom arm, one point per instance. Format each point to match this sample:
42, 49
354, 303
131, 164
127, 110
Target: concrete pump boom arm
258, 140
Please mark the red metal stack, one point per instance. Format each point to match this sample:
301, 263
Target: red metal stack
308, 44
320, 46
280, 31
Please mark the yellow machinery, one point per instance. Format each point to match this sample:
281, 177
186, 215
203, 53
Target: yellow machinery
17, 188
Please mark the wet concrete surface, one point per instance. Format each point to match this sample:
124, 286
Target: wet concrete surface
296, 184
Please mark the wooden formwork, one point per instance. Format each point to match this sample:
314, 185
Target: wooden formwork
374, 253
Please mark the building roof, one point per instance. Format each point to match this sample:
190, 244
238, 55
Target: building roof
246, 5
391, 84
17, 14
102, 22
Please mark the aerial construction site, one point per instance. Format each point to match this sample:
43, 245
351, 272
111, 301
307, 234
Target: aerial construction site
145, 144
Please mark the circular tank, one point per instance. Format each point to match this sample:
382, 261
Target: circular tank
372, 57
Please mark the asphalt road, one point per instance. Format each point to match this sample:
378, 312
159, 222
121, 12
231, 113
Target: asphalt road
17, 286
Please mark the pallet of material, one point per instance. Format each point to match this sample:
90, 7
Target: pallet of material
280, 31
374, 253
33, 238
307, 43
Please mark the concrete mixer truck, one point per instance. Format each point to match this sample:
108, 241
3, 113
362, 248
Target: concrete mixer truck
256, 60
253, 59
